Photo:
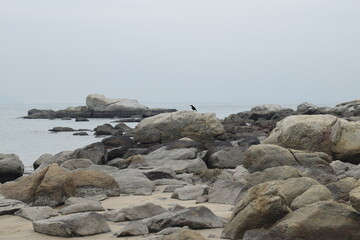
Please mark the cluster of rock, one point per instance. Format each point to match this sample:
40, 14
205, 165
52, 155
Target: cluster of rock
301, 182
98, 106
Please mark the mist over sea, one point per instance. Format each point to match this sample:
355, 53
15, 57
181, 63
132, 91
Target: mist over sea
30, 138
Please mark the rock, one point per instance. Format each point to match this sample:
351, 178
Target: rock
319, 133
62, 129
159, 173
270, 174
73, 225
107, 129
209, 176
128, 131
189, 192
118, 152
310, 159
184, 143
167, 127
342, 188
184, 235
168, 181
52, 185
138, 161
240, 173
347, 109
45, 158
10, 206
263, 156
98, 102
354, 197
135, 213
323, 220
226, 192
315, 193
202, 199
171, 188
180, 160
170, 230
80, 134
66, 118
96, 152
227, 158
36, 213
267, 108
130, 181
119, 163
81, 119
135, 228
255, 211
81, 207
117, 141
73, 164
11, 167
322, 173
193, 217
341, 169
307, 108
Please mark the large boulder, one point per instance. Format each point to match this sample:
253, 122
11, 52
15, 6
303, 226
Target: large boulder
96, 152
167, 127
347, 109
98, 102
52, 185
11, 167
323, 133
328, 220
73, 225
226, 158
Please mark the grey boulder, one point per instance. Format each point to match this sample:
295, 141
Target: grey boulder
36, 213
11, 167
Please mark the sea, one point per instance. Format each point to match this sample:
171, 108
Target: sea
30, 138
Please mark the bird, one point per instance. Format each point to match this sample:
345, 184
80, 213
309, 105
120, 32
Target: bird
193, 108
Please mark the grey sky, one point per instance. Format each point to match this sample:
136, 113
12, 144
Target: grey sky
180, 50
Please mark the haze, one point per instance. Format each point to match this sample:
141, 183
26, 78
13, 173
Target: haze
239, 51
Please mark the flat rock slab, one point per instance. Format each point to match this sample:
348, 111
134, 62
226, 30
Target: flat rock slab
73, 225
81, 207
189, 192
135, 228
10, 206
36, 213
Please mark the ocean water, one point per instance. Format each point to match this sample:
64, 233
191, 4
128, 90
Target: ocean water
30, 138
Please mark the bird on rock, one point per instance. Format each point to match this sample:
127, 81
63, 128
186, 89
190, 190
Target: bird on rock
193, 108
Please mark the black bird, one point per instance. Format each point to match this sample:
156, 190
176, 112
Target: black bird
193, 108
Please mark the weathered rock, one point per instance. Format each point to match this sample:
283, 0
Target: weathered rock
171, 188
322, 173
167, 127
73, 225
184, 235
117, 141
189, 192
135, 228
80, 134
307, 108
107, 129
342, 169
209, 176
267, 108
81, 119
310, 159
137, 161
347, 109
45, 158
81, 207
159, 173
98, 102
10, 206
323, 220
314, 194
263, 156
270, 174
354, 197
319, 133
118, 152
36, 213
342, 188
202, 199
96, 152
226, 192
73, 164
130, 181
227, 158
62, 129
180, 160
168, 181
240, 173
193, 217
11, 167
119, 163
134, 213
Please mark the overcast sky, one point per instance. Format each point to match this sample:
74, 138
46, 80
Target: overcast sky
242, 51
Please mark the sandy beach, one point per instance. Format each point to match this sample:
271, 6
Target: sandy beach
14, 227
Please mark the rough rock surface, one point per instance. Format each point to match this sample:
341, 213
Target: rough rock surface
73, 164
189, 192
10, 206
98, 102
11, 167
36, 213
167, 127
73, 225
319, 133
135, 228
81, 207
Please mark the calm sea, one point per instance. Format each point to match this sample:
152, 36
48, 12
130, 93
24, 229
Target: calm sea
30, 138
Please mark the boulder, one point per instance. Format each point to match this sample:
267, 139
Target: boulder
135, 228
183, 160
81, 207
117, 141
138, 161
80, 134
117, 152
184, 234
322, 220
73, 225
315, 193
167, 127
193, 217
227, 158
347, 109
134, 213
270, 174
62, 129
263, 156
45, 158
98, 102
81, 119
96, 152
307, 108
107, 129
354, 197
226, 192
319, 133
267, 108
119, 163
73, 164
189, 192
36, 213
341, 189
10, 206
11, 167
159, 173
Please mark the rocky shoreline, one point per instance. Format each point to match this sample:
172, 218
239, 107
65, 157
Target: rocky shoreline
268, 173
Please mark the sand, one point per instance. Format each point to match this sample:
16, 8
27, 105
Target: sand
15, 228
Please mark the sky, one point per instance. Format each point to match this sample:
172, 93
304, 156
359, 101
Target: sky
206, 51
